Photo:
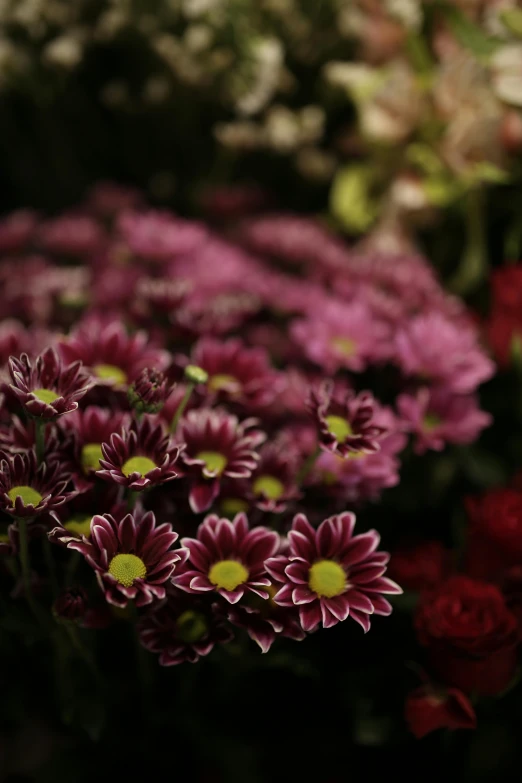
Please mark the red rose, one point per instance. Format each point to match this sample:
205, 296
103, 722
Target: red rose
420, 566
504, 334
429, 708
470, 634
495, 534
506, 286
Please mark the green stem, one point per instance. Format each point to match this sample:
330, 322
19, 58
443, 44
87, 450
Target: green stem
39, 429
82, 651
145, 674
49, 561
25, 563
474, 264
307, 466
131, 499
181, 407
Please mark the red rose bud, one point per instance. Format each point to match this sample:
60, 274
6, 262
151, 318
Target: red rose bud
71, 605
149, 391
470, 634
421, 566
429, 708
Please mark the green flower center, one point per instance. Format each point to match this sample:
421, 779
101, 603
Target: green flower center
431, 421
224, 382
214, 461
191, 626
232, 506
228, 574
45, 395
91, 456
344, 345
30, 496
327, 578
141, 465
109, 372
126, 568
80, 525
269, 486
339, 427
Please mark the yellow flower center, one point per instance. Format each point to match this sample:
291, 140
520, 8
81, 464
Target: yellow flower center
269, 486
327, 578
228, 574
214, 461
431, 421
191, 626
91, 456
30, 496
224, 382
232, 506
109, 372
344, 345
126, 568
4, 538
141, 465
80, 525
45, 395
339, 427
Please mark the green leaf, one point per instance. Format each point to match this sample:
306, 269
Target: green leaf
350, 199
468, 33
512, 18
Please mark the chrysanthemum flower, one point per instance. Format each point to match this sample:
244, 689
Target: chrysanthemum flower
331, 574
264, 620
158, 236
433, 346
46, 388
142, 456
438, 417
16, 230
90, 428
27, 490
149, 391
346, 420
184, 628
342, 334
236, 373
273, 483
228, 558
216, 445
132, 561
113, 357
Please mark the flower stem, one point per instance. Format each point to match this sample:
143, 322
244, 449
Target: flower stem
307, 466
84, 654
474, 264
49, 561
39, 429
26, 564
181, 407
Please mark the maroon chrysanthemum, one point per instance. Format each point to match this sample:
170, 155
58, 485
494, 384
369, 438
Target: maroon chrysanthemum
140, 457
331, 574
27, 489
273, 483
184, 628
132, 560
236, 373
149, 391
114, 357
264, 620
216, 445
89, 428
228, 557
45, 387
346, 420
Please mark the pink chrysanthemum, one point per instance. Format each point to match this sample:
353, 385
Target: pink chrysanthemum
16, 230
216, 445
142, 456
273, 483
46, 388
346, 420
330, 574
132, 561
113, 357
71, 235
434, 347
183, 629
90, 428
228, 558
27, 490
236, 373
342, 335
438, 417
158, 236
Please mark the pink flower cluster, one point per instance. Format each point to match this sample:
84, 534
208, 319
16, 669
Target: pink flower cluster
153, 370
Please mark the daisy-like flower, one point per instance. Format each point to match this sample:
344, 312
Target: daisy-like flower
142, 456
27, 490
132, 560
330, 574
273, 483
342, 334
217, 444
90, 428
113, 357
71, 235
184, 628
228, 558
236, 373
158, 236
46, 388
264, 620
433, 346
438, 417
346, 420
